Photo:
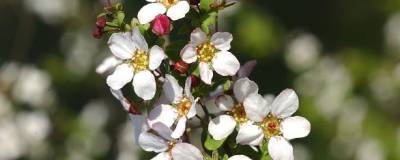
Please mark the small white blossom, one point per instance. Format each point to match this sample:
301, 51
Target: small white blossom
181, 106
175, 9
168, 148
239, 157
139, 61
274, 123
211, 53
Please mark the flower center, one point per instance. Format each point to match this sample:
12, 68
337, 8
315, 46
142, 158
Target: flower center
168, 3
271, 126
206, 51
238, 113
140, 60
183, 106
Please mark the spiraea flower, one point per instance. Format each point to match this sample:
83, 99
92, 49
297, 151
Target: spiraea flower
175, 9
273, 122
211, 53
223, 125
138, 62
179, 107
157, 138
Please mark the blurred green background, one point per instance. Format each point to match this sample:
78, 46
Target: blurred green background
341, 56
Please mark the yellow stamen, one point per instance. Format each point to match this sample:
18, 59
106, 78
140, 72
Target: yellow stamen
140, 60
238, 113
168, 3
183, 106
271, 126
206, 51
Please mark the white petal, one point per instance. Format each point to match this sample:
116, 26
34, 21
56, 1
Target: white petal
192, 110
189, 53
186, 151
162, 130
222, 40
172, 90
144, 85
151, 0
256, 107
206, 73
246, 69
280, 149
121, 45
152, 143
137, 122
198, 37
166, 114
224, 102
121, 76
249, 134
225, 63
180, 128
178, 10
148, 12
221, 127
285, 104
162, 156
295, 127
138, 39
239, 157
156, 56
108, 64
243, 88
212, 106
188, 86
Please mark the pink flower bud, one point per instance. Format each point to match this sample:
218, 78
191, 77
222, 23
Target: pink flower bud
101, 22
194, 2
181, 66
97, 33
195, 80
161, 25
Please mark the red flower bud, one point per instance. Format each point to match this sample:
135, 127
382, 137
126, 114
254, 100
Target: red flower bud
194, 2
101, 22
195, 80
97, 33
181, 66
161, 25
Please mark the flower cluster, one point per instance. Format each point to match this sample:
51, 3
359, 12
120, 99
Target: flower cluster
174, 87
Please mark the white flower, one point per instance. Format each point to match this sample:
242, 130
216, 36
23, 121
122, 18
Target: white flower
223, 125
239, 157
176, 9
211, 53
274, 123
181, 106
167, 147
139, 61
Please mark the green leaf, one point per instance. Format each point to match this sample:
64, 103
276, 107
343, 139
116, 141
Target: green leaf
205, 5
225, 157
212, 144
101, 14
118, 7
120, 17
112, 24
227, 85
209, 20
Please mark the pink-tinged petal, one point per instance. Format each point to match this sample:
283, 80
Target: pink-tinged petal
280, 149
243, 88
256, 107
186, 151
138, 40
239, 157
152, 143
178, 10
222, 40
225, 63
162, 156
137, 123
108, 65
172, 90
121, 45
157, 55
166, 114
285, 104
246, 69
189, 53
162, 130
249, 134
206, 73
121, 76
148, 12
221, 127
198, 37
144, 85
295, 127
180, 128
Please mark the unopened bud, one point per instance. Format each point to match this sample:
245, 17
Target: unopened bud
161, 25
97, 33
181, 66
195, 80
194, 2
101, 22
